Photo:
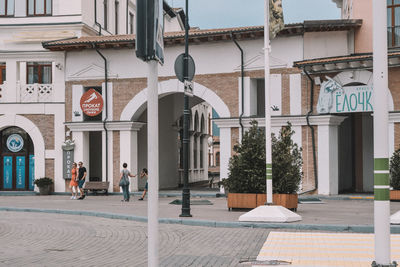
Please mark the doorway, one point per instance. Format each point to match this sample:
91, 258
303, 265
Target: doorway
355, 151
17, 160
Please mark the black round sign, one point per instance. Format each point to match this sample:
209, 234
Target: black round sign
179, 68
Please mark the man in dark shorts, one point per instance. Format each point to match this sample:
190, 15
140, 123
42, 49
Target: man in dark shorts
81, 179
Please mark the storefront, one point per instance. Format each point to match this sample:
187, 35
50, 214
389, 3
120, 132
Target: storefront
17, 156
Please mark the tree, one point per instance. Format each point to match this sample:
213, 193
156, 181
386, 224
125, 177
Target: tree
395, 170
247, 168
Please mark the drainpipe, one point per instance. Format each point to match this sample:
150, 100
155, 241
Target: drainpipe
242, 80
106, 106
95, 17
312, 132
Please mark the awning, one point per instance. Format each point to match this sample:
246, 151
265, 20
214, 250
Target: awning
342, 63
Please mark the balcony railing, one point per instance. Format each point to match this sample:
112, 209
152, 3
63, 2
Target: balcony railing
36, 92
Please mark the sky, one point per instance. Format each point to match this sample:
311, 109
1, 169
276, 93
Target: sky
209, 14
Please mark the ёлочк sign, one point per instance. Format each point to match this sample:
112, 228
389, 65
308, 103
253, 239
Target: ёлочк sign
334, 98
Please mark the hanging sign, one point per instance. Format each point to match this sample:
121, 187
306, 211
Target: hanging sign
91, 103
333, 98
68, 158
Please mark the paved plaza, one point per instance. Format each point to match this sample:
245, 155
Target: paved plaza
103, 231
40, 239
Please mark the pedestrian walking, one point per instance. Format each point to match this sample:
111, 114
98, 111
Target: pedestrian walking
144, 174
74, 181
124, 181
81, 179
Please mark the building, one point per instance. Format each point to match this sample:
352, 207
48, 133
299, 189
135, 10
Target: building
218, 82
32, 79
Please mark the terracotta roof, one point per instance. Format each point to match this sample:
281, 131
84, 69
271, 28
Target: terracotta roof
197, 36
339, 63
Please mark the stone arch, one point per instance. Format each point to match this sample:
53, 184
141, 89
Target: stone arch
34, 133
137, 105
360, 76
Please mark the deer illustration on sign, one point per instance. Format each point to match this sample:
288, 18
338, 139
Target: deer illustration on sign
325, 99
91, 103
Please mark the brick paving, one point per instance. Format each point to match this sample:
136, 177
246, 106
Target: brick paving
37, 239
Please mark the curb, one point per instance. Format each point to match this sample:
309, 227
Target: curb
394, 229
33, 193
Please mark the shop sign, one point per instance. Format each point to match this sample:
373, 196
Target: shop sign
91, 103
68, 158
334, 98
15, 143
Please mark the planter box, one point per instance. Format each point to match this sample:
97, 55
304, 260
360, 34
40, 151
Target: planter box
251, 201
395, 195
45, 190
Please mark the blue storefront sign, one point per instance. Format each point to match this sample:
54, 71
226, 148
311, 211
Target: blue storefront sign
20, 172
31, 171
7, 172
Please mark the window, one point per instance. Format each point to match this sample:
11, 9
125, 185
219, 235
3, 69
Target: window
393, 17
116, 16
131, 19
38, 72
6, 7
217, 159
105, 5
2, 73
39, 7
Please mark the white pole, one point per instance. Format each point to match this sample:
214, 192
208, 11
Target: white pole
152, 161
268, 148
381, 136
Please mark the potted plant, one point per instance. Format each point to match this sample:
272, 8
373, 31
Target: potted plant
44, 185
286, 168
247, 173
395, 175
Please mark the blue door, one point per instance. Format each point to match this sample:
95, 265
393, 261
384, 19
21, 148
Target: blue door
7, 172
20, 172
31, 171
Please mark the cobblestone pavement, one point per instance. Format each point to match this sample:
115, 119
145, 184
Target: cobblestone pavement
40, 239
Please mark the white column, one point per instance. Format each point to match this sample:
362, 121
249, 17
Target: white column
129, 154
295, 94
110, 162
82, 148
9, 95
328, 156
225, 153
328, 176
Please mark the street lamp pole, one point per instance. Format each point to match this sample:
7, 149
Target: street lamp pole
186, 114
381, 136
268, 145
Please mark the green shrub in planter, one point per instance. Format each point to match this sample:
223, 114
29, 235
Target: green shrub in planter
43, 181
395, 170
286, 162
247, 168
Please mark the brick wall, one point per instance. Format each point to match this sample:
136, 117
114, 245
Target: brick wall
307, 154
45, 123
49, 165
